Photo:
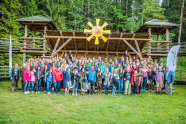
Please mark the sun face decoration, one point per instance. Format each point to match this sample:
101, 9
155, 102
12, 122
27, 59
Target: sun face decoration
97, 31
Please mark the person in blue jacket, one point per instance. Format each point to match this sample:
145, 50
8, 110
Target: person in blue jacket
75, 80
103, 67
66, 80
169, 81
92, 79
48, 79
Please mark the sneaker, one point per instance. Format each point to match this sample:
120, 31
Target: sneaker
54, 93
76, 94
25, 93
72, 94
28, 91
44, 91
32, 91
48, 93
38, 91
144, 90
65, 94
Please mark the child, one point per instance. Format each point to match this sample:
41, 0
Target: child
159, 80
115, 78
75, 81
58, 77
32, 79
127, 78
48, 80
99, 80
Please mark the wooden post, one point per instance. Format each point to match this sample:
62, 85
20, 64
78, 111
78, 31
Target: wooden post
181, 18
44, 41
158, 43
149, 44
34, 35
167, 38
24, 45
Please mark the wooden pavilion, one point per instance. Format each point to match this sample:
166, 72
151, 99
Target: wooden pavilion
138, 44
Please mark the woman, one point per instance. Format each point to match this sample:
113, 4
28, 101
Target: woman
83, 81
145, 71
38, 77
48, 80
115, 78
26, 79
107, 78
44, 71
67, 79
32, 81
99, 78
75, 81
120, 81
58, 77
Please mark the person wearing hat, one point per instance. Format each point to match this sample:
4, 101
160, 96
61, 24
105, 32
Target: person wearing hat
15, 77
159, 80
75, 81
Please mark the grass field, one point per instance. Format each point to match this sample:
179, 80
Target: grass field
146, 108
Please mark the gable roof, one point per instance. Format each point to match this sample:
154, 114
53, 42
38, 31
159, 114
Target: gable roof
157, 22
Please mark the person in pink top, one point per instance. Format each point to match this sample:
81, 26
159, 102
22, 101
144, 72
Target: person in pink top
145, 70
32, 81
26, 79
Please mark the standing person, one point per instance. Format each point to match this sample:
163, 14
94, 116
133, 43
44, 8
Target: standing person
32, 81
38, 77
67, 79
48, 79
92, 79
120, 81
145, 70
159, 80
115, 78
21, 71
136, 82
75, 81
83, 80
26, 79
127, 78
44, 71
107, 79
99, 80
164, 71
15, 77
58, 77
169, 81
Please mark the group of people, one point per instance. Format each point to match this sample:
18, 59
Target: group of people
127, 75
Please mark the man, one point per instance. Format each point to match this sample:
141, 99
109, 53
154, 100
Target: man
92, 79
15, 77
169, 81
21, 75
127, 78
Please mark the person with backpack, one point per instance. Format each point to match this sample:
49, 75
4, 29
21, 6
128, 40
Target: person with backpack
48, 79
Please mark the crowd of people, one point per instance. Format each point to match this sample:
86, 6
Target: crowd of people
127, 75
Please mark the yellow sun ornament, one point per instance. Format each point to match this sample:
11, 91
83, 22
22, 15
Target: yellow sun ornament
97, 31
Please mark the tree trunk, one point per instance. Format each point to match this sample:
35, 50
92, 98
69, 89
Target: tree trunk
126, 6
181, 18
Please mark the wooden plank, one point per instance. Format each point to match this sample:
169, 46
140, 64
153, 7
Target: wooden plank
55, 47
131, 47
61, 47
75, 44
100, 52
137, 46
31, 38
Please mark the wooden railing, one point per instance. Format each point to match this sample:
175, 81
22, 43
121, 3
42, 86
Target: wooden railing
4, 72
180, 76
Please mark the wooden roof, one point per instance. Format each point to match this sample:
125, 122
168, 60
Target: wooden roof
157, 26
37, 23
114, 44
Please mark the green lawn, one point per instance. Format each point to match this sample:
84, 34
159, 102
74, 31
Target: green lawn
146, 108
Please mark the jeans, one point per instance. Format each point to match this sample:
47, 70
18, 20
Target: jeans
144, 83
113, 90
26, 86
106, 88
32, 83
127, 87
38, 85
92, 89
57, 84
48, 86
120, 86
74, 89
168, 88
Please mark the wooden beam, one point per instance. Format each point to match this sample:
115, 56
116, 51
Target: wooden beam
62, 46
137, 46
167, 38
75, 44
131, 48
34, 35
93, 52
109, 38
119, 42
107, 45
55, 47
149, 44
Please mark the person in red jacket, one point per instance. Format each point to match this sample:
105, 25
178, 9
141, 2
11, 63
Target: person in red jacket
58, 77
26, 79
